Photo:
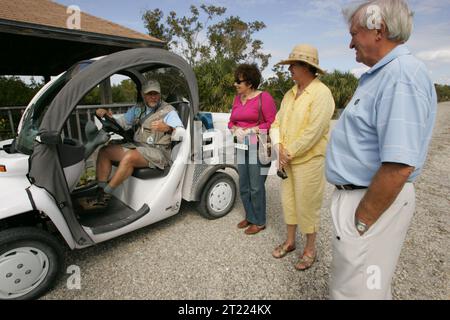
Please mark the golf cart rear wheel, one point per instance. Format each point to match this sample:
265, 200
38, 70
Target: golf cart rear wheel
30, 263
218, 196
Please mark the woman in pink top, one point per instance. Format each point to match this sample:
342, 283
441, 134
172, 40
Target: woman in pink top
253, 112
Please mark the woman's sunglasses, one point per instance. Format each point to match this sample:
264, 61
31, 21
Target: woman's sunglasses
239, 81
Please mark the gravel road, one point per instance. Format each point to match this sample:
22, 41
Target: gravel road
188, 257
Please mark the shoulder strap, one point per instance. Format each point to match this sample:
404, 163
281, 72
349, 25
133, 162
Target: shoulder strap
162, 107
260, 113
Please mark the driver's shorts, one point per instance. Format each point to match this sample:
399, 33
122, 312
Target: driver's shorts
155, 156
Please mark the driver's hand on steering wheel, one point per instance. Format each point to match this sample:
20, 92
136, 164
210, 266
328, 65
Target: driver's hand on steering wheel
160, 126
102, 112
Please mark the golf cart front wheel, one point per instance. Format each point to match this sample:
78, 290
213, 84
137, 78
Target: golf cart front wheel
218, 196
30, 263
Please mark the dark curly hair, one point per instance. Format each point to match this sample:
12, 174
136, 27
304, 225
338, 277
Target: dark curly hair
250, 73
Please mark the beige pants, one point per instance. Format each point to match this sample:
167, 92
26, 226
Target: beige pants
363, 266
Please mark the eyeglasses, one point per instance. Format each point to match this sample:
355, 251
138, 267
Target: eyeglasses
239, 81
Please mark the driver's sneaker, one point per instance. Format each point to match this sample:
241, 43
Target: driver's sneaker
98, 202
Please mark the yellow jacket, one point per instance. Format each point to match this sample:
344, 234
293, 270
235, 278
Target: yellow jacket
302, 125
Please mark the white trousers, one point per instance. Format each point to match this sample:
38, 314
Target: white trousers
363, 266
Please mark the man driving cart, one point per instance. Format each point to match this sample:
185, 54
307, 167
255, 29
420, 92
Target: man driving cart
153, 122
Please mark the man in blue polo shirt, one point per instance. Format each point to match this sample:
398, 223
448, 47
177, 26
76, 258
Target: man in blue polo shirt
377, 150
154, 120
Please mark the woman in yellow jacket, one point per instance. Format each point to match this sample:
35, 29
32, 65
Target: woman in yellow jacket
300, 135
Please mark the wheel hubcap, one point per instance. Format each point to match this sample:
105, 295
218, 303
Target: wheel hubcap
21, 271
220, 196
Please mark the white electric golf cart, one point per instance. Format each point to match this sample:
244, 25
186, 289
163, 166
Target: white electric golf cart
40, 170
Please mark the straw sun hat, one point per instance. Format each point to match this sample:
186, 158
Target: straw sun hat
304, 53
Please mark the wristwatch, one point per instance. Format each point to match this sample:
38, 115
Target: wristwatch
360, 226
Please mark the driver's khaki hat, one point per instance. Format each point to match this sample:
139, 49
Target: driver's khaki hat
151, 85
305, 53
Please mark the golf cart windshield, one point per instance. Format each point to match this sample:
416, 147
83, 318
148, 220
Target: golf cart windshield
35, 113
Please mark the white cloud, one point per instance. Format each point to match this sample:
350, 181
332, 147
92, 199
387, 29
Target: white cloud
441, 55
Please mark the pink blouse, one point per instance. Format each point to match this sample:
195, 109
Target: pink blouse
246, 116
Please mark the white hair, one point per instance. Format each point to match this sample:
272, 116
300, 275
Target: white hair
394, 13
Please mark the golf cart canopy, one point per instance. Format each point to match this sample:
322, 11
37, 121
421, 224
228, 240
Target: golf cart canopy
138, 59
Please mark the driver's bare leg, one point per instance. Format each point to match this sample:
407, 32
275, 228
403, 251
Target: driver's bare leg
103, 169
104, 161
128, 160
131, 160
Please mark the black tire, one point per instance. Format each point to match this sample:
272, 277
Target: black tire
30, 244
228, 186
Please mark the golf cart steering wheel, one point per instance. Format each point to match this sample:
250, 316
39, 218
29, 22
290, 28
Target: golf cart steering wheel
111, 125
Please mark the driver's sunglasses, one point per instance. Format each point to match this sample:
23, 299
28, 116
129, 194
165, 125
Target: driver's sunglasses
238, 81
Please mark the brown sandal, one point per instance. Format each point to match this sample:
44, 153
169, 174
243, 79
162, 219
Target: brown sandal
282, 250
305, 262
243, 224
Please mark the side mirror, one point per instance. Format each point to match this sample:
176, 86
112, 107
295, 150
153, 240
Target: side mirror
51, 138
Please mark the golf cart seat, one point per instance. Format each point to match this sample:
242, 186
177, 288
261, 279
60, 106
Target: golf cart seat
182, 108
150, 173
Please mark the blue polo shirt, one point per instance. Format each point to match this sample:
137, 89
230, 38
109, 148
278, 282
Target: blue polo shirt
389, 119
171, 119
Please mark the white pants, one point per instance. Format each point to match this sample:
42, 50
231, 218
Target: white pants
363, 266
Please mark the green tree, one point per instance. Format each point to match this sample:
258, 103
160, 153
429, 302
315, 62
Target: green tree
213, 48
443, 92
128, 90
15, 92
233, 39
342, 85
181, 34
152, 21
216, 83
92, 98
279, 84
124, 92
